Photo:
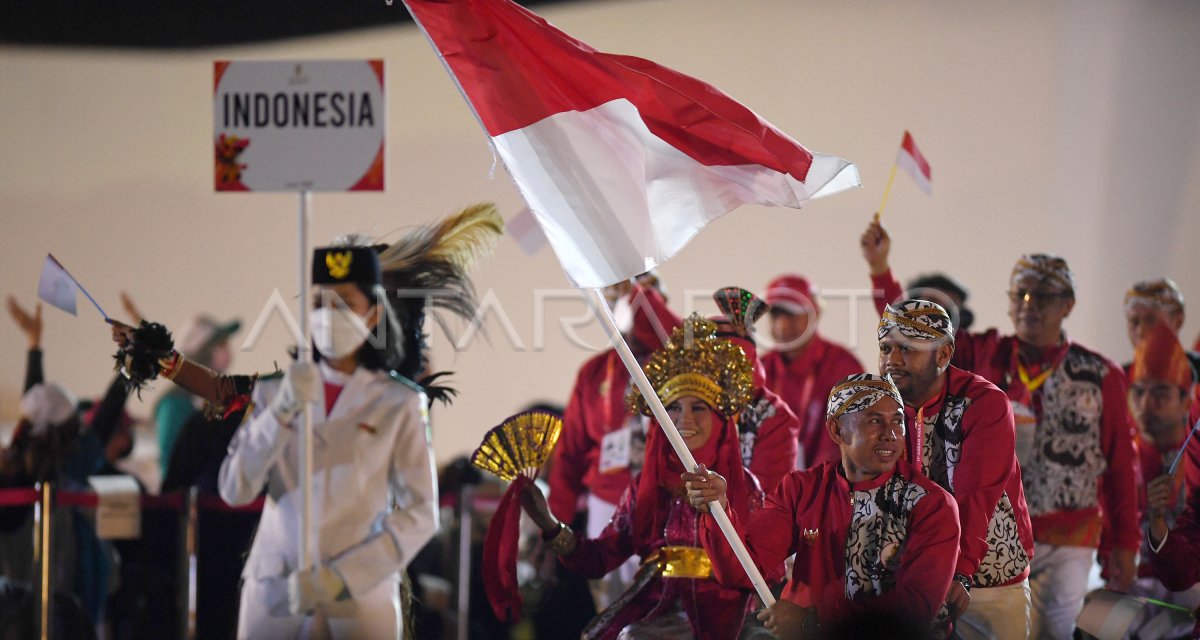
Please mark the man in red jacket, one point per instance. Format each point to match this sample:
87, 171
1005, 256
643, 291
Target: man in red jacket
1161, 382
1159, 301
871, 535
962, 436
803, 366
1176, 553
1075, 438
602, 444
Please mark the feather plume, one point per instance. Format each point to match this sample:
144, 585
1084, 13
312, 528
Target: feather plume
429, 267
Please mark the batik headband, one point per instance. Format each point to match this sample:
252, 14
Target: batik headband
1161, 293
1046, 267
918, 320
859, 392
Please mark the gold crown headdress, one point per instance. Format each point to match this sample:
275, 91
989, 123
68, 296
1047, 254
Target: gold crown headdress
695, 362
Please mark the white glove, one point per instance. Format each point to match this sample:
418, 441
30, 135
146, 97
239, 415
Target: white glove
312, 587
301, 385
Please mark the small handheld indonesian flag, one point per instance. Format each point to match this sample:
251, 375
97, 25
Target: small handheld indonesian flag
621, 160
914, 164
56, 286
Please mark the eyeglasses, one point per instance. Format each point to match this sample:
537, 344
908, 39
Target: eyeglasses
1036, 298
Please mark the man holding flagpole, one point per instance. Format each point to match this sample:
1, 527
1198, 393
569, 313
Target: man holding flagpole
871, 535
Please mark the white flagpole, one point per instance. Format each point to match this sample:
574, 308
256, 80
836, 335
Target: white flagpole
304, 353
604, 314
600, 307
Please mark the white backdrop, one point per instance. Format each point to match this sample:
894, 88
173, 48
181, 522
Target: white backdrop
1068, 127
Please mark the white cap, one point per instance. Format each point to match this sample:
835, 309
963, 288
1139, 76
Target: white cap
47, 405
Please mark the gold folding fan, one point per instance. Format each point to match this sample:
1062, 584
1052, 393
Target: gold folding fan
519, 446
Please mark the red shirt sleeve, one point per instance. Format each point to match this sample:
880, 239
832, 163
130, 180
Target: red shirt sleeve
777, 447
886, 288
1191, 460
768, 538
983, 472
595, 557
1119, 485
572, 454
1177, 563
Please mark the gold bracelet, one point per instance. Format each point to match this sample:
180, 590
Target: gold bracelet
563, 542
169, 366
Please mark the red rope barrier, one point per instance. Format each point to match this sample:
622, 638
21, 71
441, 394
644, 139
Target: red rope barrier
19, 497
23, 497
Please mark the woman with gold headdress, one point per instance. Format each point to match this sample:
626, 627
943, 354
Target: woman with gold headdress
704, 381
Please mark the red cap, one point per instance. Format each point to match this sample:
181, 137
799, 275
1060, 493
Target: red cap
1159, 356
791, 293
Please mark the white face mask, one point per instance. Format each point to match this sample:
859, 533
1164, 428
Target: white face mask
623, 314
337, 333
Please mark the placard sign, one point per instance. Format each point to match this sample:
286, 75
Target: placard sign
310, 125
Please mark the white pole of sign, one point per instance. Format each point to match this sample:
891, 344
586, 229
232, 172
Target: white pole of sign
304, 352
604, 314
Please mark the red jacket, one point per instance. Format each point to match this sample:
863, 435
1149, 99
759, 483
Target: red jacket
1099, 453
769, 432
1177, 563
804, 383
971, 438
901, 563
714, 611
596, 408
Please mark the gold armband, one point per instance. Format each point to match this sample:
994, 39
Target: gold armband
169, 366
563, 542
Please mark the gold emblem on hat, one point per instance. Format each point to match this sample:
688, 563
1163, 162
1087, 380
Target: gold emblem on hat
339, 263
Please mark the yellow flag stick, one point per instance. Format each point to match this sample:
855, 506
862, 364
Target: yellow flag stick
886, 190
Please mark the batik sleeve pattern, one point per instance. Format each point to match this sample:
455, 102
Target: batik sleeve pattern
1006, 557
942, 446
749, 421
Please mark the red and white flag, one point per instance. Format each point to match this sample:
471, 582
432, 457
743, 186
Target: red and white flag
914, 164
621, 160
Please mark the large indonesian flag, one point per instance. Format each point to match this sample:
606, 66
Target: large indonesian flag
621, 160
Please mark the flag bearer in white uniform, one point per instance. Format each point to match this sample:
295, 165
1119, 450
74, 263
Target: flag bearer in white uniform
374, 495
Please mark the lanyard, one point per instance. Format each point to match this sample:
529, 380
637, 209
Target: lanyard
1034, 383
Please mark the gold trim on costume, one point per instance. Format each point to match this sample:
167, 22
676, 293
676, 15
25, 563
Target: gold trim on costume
713, 368
682, 562
169, 366
690, 384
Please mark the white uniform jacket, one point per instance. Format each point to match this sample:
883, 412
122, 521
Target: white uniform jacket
374, 490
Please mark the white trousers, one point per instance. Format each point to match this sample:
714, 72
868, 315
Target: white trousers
1058, 580
610, 587
996, 613
263, 614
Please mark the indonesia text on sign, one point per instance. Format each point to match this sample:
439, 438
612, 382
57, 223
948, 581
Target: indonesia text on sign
298, 125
